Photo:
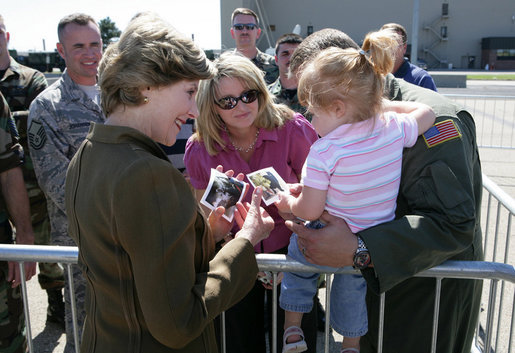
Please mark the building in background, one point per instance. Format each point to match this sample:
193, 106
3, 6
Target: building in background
498, 53
451, 33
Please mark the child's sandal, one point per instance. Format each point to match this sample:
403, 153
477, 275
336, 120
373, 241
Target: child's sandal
293, 347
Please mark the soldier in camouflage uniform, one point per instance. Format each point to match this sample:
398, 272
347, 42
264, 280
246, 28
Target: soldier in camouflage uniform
12, 319
59, 121
267, 64
285, 88
20, 85
245, 31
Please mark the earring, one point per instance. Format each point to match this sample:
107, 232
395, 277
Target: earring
145, 100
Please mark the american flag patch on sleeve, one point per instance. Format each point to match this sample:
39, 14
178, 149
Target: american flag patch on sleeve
441, 132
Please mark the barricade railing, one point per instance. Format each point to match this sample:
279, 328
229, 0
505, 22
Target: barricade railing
480, 270
281, 263
66, 255
497, 214
494, 117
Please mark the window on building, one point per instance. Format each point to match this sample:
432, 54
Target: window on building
443, 31
445, 9
505, 54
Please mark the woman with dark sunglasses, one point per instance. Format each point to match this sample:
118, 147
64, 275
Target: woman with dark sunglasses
240, 127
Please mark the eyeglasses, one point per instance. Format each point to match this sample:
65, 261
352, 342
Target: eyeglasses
247, 97
247, 26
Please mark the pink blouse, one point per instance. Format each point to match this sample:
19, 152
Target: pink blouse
285, 149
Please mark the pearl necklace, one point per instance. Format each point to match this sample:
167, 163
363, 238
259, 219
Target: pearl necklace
241, 149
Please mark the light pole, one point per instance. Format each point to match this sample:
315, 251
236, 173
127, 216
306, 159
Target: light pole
414, 32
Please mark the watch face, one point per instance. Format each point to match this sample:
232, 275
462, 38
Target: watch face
362, 259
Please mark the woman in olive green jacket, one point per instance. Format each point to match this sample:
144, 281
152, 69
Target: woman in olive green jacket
147, 252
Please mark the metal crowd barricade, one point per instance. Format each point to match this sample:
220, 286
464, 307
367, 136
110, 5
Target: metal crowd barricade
494, 117
449, 269
66, 255
497, 308
498, 212
279, 263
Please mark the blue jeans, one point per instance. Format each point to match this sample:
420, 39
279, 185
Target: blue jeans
348, 307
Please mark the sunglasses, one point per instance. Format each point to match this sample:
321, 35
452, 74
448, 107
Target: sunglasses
247, 26
247, 97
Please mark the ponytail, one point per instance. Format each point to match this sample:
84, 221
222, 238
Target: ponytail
381, 46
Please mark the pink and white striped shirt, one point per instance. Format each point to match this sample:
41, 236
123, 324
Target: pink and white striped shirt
359, 165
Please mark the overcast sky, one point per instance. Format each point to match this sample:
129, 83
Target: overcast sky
31, 21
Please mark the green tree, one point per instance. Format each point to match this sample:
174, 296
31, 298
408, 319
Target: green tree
108, 31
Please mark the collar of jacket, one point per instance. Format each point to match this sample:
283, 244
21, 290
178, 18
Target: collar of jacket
125, 134
391, 88
399, 90
275, 88
13, 69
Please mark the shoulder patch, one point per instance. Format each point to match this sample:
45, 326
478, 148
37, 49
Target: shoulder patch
441, 132
37, 135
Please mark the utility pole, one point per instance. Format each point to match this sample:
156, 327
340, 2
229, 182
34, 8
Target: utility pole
414, 32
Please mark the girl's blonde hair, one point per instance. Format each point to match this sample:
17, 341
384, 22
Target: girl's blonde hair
209, 124
350, 75
150, 53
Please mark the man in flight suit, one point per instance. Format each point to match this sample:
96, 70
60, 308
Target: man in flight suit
437, 219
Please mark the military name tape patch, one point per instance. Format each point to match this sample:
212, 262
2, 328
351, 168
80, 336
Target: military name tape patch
37, 135
441, 132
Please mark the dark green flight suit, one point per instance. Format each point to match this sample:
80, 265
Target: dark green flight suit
437, 219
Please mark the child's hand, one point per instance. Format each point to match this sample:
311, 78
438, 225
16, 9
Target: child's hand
283, 205
285, 212
295, 189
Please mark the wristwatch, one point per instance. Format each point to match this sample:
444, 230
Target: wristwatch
362, 255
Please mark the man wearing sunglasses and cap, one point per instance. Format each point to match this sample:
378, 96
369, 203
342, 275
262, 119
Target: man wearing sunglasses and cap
245, 31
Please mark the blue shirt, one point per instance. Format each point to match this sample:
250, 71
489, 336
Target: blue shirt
415, 75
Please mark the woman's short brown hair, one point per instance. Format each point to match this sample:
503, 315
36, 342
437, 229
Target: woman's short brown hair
150, 53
